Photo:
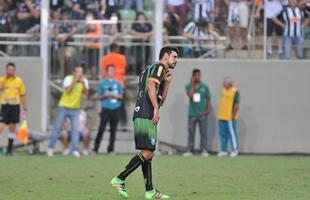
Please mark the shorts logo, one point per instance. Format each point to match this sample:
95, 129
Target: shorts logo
137, 109
153, 141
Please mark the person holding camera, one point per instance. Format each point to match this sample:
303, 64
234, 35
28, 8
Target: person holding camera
69, 107
110, 93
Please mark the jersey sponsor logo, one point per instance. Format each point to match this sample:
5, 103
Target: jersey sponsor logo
153, 141
137, 109
159, 71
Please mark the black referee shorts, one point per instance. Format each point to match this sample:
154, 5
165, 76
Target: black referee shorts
9, 114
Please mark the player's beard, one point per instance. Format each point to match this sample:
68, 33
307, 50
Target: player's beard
171, 66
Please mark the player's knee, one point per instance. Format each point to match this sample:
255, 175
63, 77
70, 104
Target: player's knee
148, 155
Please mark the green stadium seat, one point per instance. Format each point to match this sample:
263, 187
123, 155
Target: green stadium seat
128, 14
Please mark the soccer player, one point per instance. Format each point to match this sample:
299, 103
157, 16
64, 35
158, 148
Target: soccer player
153, 88
12, 95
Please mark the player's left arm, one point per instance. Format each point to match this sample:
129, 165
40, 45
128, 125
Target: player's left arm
120, 94
236, 104
22, 93
85, 87
167, 81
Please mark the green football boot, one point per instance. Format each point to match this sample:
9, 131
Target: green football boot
119, 185
155, 194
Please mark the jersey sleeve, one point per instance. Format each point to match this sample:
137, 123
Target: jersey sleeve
237, 97
157, 74
100, 90
67, 82
22, 88
119, 87
208, 94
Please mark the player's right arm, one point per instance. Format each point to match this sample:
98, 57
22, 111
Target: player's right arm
69, 83
151, 89
1, 83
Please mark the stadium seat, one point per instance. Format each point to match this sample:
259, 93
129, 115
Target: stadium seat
128, 14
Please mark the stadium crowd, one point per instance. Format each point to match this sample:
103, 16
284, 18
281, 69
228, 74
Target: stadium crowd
201, 22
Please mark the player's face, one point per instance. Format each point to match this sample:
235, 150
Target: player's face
197, 77
110, 72
226, 85
172, 59
78, 71
10, 71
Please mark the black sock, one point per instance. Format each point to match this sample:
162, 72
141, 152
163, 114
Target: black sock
10, 145
133, 164
147, 174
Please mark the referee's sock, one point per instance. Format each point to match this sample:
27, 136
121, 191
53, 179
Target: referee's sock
147, 174
11, 137
133, 164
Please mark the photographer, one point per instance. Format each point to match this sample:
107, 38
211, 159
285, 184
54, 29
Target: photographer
110, 93
69, 106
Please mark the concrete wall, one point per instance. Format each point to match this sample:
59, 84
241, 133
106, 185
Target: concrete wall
30, 69
274, 109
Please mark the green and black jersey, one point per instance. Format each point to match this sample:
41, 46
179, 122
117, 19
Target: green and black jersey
144, 108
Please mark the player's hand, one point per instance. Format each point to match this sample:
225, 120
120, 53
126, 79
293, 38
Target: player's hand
206, 113
24, 114
156, 116
168, 77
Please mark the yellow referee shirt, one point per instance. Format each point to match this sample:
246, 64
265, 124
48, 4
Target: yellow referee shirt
13, 89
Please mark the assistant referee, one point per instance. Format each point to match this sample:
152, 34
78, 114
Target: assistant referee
12, 95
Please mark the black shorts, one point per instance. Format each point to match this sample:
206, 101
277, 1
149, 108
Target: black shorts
145, 134
271, 26
9, 114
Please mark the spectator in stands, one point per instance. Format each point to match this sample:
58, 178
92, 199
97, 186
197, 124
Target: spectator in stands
144, 30
115, 30
78, 9
28, 15
202, 36
28, 21
93, 44
138, 5
5, 23
272, 9
238, 16
204, 9
110, 93
108, 7
12, 99
171, 24
64, 33
179, 7
293, 25
227, 115
69, 106
57, 5
171, 27
198, 111
83, 130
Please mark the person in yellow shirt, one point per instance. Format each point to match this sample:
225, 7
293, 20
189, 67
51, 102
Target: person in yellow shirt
69, 107
227, 116
12, 95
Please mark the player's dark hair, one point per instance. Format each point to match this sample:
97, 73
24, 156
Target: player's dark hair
167, 49
114, 47
10, 64
196, 71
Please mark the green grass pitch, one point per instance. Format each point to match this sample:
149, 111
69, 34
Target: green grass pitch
26, 177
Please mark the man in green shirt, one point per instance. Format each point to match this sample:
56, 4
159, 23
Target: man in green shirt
198, 110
